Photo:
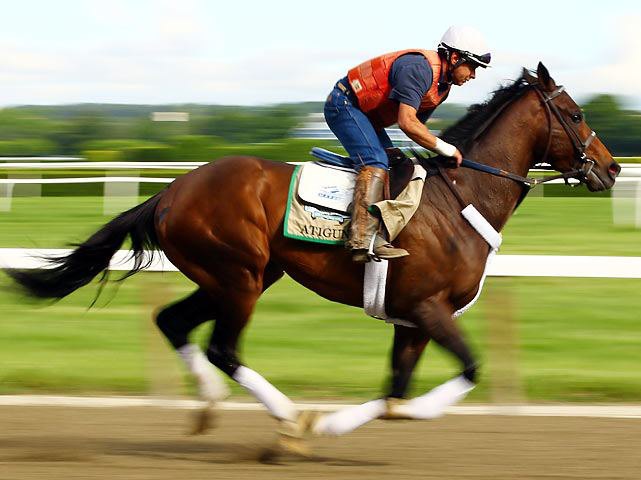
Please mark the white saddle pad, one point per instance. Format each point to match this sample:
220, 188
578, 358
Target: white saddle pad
326, 187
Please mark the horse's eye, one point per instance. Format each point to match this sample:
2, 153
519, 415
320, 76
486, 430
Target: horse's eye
576, 117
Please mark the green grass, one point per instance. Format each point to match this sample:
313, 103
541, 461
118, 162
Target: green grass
569, 226
575, 339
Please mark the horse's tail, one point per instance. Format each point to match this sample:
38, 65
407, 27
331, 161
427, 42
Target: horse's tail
70, 272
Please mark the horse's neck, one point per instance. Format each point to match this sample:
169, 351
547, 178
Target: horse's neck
509, 144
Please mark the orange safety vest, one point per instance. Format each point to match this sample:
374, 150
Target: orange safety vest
370, 83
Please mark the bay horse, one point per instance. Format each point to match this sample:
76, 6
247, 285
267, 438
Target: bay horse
222, 226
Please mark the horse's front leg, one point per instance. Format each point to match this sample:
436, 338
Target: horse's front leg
434, 319
409, 344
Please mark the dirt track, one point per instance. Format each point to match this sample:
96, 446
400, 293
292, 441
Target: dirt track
150, 443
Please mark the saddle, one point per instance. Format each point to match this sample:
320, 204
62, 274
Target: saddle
401, 167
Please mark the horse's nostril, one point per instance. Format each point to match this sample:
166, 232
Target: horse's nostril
614, 169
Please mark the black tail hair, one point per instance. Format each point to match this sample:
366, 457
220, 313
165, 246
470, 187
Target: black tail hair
90, 258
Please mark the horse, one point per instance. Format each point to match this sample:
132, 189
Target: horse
221, 225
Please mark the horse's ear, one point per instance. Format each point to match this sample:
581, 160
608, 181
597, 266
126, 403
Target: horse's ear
544, 77
528, 77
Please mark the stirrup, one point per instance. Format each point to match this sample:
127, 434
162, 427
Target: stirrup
370, 251
388, 252
379, 249
382, 249
362, 255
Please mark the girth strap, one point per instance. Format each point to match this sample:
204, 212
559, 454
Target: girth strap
452, 186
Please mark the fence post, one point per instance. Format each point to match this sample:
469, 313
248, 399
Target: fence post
119, 196
626, 204
164, 374
505, 384
6, 195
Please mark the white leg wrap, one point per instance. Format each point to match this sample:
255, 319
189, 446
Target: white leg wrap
350, 418
278, 404
434, 402
211, 385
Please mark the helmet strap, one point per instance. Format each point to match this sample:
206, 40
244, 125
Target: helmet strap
450, 66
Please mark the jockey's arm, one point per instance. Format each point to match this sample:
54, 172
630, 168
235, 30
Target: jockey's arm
418, 132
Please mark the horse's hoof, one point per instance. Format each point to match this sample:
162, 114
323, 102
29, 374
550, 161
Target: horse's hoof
204, 419
307, 421
395, 410
297, 446
290, 439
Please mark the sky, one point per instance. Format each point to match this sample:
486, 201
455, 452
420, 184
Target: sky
250, 52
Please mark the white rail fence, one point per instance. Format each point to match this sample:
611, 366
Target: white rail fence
501, 266
520, 410
54, 163
43, 159
82, 165
121, 192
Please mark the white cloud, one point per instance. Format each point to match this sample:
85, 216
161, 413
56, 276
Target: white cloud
619, 71
168, 51
615, 69
18, 62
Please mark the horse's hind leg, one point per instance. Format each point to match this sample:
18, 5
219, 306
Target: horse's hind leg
232, 316
434, 320
223, 353
176, 321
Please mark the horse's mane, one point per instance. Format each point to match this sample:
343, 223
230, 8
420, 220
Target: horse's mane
479, 116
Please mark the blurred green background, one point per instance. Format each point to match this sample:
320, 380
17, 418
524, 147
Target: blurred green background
112, 132
539, 339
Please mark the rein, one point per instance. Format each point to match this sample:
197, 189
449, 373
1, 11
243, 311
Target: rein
526, 181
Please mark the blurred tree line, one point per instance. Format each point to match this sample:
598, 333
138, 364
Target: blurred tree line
127, 132
618, 129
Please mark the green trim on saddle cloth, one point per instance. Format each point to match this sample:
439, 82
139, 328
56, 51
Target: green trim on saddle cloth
310, 223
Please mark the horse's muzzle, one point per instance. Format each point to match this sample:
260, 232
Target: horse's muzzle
613, 170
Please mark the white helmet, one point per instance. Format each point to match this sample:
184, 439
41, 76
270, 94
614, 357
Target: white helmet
469, 42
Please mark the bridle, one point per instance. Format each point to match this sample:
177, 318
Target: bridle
583, 164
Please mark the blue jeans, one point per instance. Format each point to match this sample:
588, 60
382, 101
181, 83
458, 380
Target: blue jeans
356, 133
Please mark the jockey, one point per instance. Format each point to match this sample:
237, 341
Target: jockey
401, 87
